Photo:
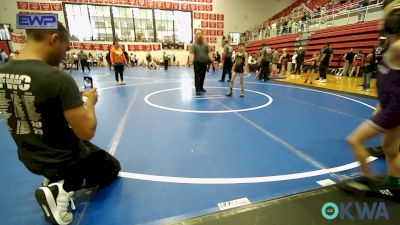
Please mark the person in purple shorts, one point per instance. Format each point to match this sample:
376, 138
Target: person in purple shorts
386, 118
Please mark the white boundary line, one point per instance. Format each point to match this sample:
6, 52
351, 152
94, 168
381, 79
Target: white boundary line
146, 99
247, 180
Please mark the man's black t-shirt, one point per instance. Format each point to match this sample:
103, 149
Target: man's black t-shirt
379, 50
350, 57
33, 97
328, 53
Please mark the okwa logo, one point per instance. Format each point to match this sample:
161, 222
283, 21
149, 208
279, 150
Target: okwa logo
355, 210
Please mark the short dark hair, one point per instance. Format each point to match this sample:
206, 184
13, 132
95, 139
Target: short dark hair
327, 44
40, 34
263, 44
242, 44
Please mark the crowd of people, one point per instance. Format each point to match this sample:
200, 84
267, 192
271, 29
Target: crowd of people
299, 20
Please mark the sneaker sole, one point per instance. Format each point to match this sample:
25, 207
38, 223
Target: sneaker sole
46, 201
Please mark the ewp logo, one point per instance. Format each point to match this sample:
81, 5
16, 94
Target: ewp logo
377, 210
37, 21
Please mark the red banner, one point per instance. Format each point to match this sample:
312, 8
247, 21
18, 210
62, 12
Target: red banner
34, 6
132, 48
105, 47
96, 47
157, 5
197, 15
88, 46
22, 5
204, 23
212, 16
168, 5
193, 7
45, 6
212, 24
205, 32
143, 3
220, 25
209, 8
220, 33
213, 33
93, 1
204, 16
176, 6
17, 38
201, 0
56, 6
209, 1
201, 8
184, 6
220, 17
156, 47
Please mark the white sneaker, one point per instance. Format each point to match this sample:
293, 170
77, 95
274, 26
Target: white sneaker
322, 80
54, 201
123, 83
368, 90
118, 83
360, 88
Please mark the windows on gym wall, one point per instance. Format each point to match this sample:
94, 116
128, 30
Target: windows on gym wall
94, 23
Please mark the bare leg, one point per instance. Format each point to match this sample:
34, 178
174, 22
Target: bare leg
391, 143
356, 141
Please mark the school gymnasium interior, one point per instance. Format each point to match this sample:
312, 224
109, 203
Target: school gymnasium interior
274, 156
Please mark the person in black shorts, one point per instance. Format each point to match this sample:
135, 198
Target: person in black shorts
386, 118
312, 68
53, 125
240, 66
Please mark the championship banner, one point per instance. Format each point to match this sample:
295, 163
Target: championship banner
156, 47
179, 46
197, 15
213, 16
204, 16
220, 33
220, 17
209, 8
204, 24
201, 8
220, 25
212, 33
17, 38
212, 24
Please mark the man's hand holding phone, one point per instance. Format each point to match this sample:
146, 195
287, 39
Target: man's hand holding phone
91, 95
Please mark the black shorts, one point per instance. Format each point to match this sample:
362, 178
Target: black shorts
384, 121
239, 70
313, 67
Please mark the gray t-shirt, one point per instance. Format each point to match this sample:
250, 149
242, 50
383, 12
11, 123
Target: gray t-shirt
228, 50
275, 57
200, 52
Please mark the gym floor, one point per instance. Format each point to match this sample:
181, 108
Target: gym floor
181, 155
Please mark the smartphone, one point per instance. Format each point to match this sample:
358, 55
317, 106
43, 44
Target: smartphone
87, 83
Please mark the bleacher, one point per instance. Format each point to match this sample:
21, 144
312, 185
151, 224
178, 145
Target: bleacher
282, 42
358, 36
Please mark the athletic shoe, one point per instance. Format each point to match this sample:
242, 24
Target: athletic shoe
221, 81
117, 83
123, 83
228, 81
375, 187
45, 182
322, 80
54, 201
376, 152
198, 93
367, 90
203, 90
242, 93
229, 92
360, 88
